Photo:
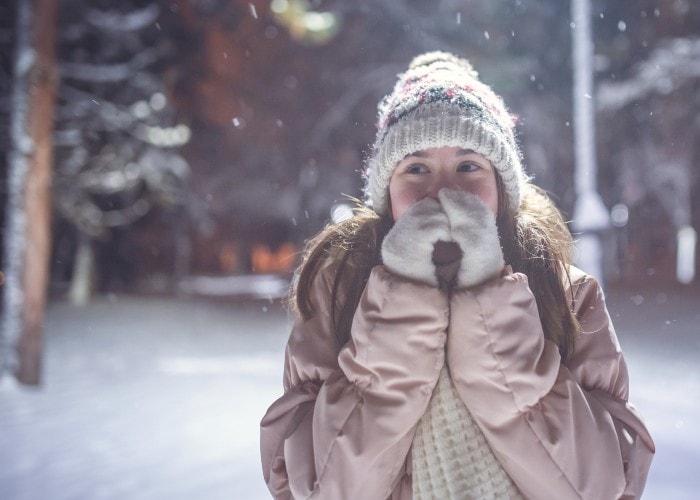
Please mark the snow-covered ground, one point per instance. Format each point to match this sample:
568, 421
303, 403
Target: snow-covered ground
660, 335
145, 399
152, 398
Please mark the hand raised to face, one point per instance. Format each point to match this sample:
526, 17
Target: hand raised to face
472, 226
408, 248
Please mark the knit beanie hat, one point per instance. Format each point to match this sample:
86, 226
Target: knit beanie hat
439, 101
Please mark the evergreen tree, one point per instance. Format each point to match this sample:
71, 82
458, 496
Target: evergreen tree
116, 134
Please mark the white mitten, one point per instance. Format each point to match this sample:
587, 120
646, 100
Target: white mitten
473, 227
408, 247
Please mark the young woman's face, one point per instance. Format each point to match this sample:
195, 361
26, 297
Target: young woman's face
426, 172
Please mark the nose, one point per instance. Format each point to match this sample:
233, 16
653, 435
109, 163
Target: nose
442, 179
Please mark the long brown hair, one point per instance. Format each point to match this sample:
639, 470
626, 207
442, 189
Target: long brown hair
534, 238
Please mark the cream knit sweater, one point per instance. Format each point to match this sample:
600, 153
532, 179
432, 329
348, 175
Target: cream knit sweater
451, 458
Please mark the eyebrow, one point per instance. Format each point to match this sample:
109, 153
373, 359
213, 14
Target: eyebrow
423, 154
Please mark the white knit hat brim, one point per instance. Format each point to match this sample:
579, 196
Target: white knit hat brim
442, 125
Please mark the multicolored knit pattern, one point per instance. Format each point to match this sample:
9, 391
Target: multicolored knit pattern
451, 458
439, 101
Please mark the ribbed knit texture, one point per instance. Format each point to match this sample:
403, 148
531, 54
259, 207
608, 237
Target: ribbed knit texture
439, 101
451, 458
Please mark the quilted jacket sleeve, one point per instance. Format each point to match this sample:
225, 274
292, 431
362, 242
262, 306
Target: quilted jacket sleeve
345, 423
562, 431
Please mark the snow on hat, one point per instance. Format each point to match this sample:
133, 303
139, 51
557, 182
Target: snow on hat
439, 101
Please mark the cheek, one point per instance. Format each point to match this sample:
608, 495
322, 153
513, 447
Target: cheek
486, 190
489, 195
401, 197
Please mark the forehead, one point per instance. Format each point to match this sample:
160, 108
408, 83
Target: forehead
447, 151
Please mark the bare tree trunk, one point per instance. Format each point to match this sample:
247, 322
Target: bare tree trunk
29, 207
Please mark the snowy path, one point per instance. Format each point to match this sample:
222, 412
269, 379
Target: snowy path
660, 335
156, 399
145, 399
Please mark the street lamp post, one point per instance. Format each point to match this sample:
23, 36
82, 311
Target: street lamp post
590, 214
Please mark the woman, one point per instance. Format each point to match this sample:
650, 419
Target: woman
444, 347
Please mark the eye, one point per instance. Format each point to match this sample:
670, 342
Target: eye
468, 166
416, 168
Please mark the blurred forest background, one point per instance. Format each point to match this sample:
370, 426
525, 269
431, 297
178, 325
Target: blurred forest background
213, 137
188, 131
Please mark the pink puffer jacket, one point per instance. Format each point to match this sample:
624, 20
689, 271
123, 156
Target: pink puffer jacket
344, 426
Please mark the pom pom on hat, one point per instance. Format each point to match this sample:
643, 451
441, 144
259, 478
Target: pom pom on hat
439, 101
430, 57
